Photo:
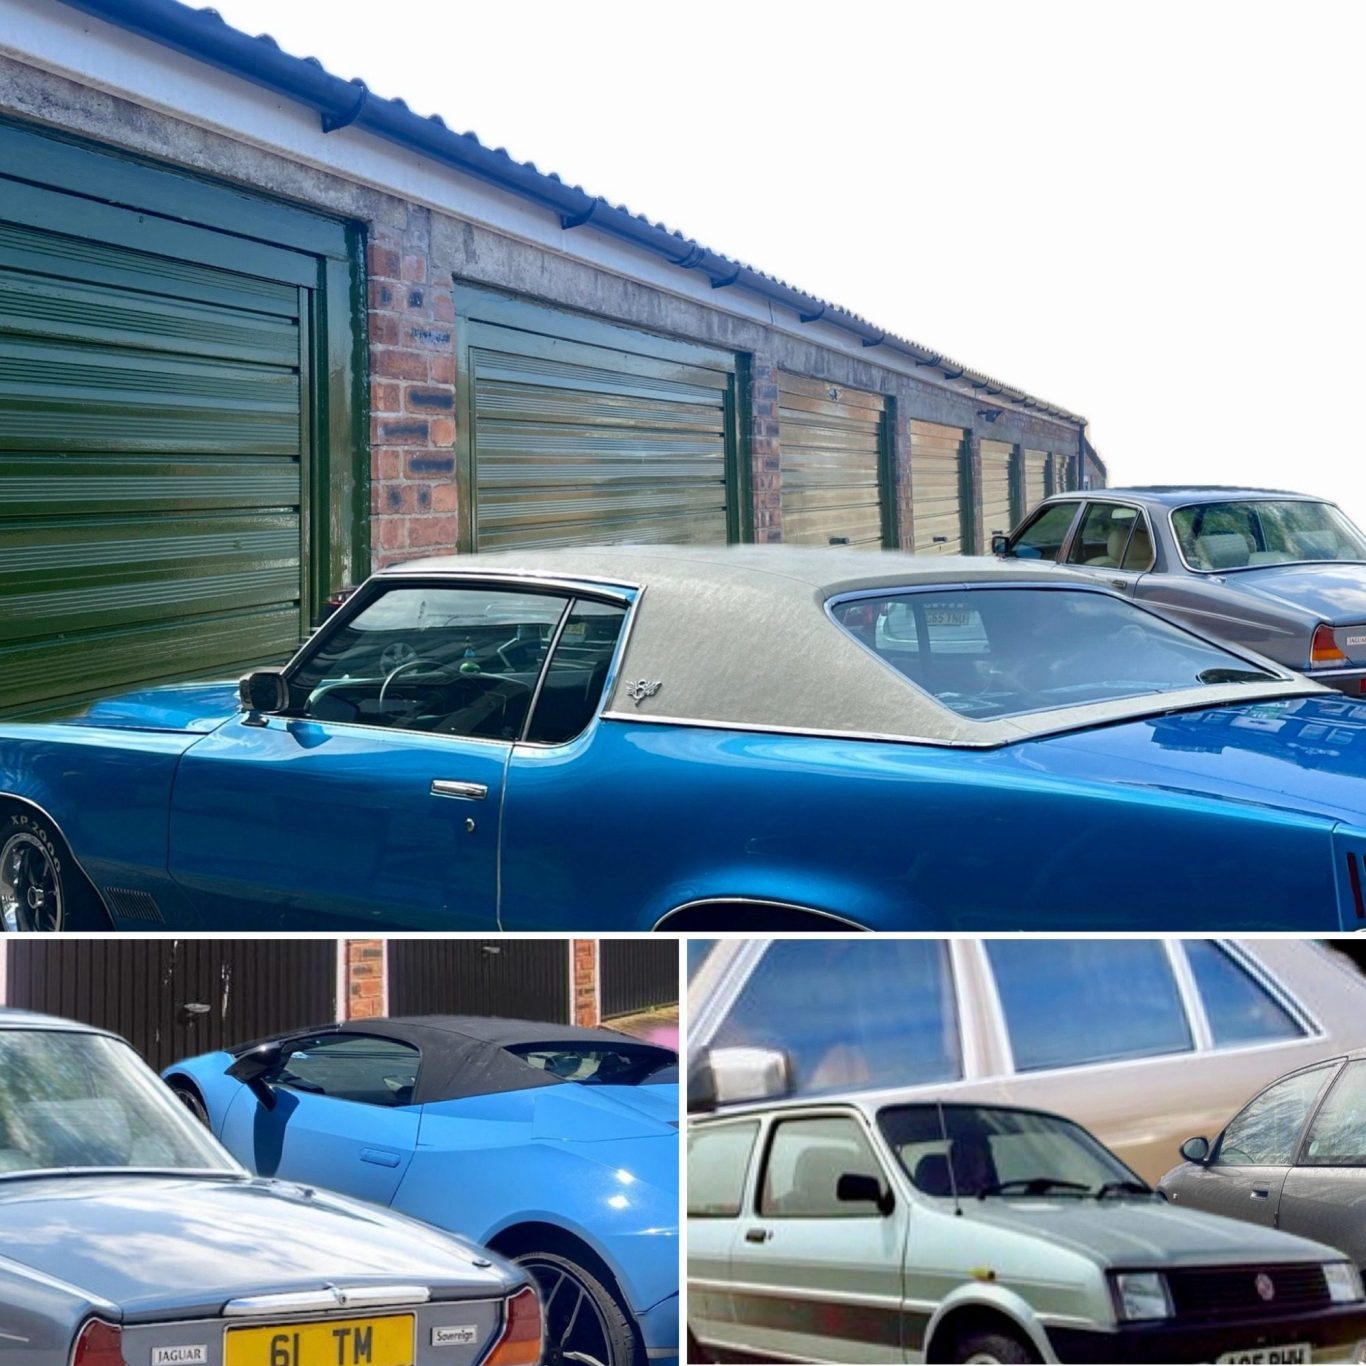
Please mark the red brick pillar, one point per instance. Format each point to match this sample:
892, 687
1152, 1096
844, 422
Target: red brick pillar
412, 395
585, 968
365, 968
766, 448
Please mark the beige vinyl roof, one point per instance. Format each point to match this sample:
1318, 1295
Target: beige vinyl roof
738, 636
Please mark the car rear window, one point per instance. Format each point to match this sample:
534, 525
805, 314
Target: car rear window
993, 652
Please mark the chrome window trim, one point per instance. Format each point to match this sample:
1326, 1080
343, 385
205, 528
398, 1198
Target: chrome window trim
721, 900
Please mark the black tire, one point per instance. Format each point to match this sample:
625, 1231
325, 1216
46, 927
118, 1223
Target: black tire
187, 1093
41, 889
987, 1347
585, 1322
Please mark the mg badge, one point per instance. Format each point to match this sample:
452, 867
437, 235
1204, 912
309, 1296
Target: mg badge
1266, 1287
642, 689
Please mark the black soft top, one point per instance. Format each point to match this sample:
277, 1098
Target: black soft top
467, 1055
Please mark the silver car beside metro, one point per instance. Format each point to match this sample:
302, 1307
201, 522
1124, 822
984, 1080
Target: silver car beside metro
1281, 573
886, 1227
130, 1237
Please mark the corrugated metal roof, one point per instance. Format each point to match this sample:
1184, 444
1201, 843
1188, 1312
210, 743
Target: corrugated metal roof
206, 35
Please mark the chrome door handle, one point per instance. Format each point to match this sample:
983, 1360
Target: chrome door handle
758, 1235
1261, 1192
1120, 584
448, 787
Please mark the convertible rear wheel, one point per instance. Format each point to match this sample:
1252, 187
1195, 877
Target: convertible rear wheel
33, 885
190, 1098
583, 1320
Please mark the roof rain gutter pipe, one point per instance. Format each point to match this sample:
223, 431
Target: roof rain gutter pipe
205, 36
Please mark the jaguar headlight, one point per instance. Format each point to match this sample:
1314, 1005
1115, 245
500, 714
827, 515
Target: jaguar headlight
1141, 1295
1344, 1282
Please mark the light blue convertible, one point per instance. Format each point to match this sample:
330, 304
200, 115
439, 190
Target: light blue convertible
128, 1237
691, 738
556, 1146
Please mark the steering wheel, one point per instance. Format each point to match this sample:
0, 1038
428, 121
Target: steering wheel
417, 661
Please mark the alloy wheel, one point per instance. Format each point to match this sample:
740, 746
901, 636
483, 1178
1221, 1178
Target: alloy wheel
30, 888
575, 1327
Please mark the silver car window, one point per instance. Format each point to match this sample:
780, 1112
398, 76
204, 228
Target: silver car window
1337, 1137
718, 1165
1239, 1009
1107, 1000
1265, 1132
859, 1012
1245, 533
806, 1158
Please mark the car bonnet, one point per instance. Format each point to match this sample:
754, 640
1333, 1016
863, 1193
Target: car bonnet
166, 1246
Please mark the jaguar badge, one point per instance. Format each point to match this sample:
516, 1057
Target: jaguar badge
1266, 1287
642, 689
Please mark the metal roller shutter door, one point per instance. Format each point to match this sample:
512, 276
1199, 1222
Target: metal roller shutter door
1035, 480
832, 464
997, 503
516, 978
637, 974
587, 433
937, 487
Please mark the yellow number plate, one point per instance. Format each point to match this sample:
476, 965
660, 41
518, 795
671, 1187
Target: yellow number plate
338, 1342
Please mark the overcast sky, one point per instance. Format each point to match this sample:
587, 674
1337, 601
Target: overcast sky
1150, 214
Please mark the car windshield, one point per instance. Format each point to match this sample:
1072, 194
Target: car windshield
994, 652
982, 1152
603, 1064
1247, 533
83, 1101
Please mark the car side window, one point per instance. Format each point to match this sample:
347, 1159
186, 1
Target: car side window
360, 1068
1239, 1009
1264, 1133
1042, 537
1107, 1000
1337, 1137
718, 1166
1113, 536
859, 1012
806, 1158
446, 660
573, 684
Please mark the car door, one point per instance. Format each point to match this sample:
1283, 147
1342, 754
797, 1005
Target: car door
815, 1276
377, 792
343, 1116
1251, 1158
1114, 542
1324, 1195
718, 1169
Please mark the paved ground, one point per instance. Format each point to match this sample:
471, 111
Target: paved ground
658, 1026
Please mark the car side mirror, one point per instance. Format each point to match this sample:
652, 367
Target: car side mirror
859, 1188
1196, 1150
701, 1087
264, 691
727, 1076
1000, 544
254, 1066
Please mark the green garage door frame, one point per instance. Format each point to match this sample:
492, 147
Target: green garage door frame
183, 456
575, 430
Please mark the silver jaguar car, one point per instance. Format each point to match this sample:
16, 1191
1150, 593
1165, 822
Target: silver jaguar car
1281, 573
131, 1238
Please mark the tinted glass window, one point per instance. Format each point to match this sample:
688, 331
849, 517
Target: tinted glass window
1043, 537
993, 652
1088, 1000
601, 1065
718, 1162
578, 671
1103, 538
858, 1012
1337, 1137
806, 1158
1243, 534
1240, 1010
1264, 1134
368, 1071
451, 661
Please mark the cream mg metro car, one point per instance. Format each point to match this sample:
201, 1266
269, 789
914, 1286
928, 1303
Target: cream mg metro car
871, 1229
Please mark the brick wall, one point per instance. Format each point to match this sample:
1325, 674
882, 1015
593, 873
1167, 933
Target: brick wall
585, 967
412, 395
365, 967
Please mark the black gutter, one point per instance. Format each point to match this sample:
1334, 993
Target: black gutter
205, 36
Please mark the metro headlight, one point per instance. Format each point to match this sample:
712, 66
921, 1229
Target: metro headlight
1141, 1295
1344, 1282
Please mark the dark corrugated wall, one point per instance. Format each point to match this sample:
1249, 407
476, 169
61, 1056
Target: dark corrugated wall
524, 979
637, 974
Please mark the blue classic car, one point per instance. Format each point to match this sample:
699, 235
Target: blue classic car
687, 738
556, 1146
1277, 572
131, 1238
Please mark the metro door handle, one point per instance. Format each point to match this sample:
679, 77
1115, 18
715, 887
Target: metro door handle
449, 787
380, 1157
758, 1235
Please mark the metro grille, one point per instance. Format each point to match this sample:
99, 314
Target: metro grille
1219, 1292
